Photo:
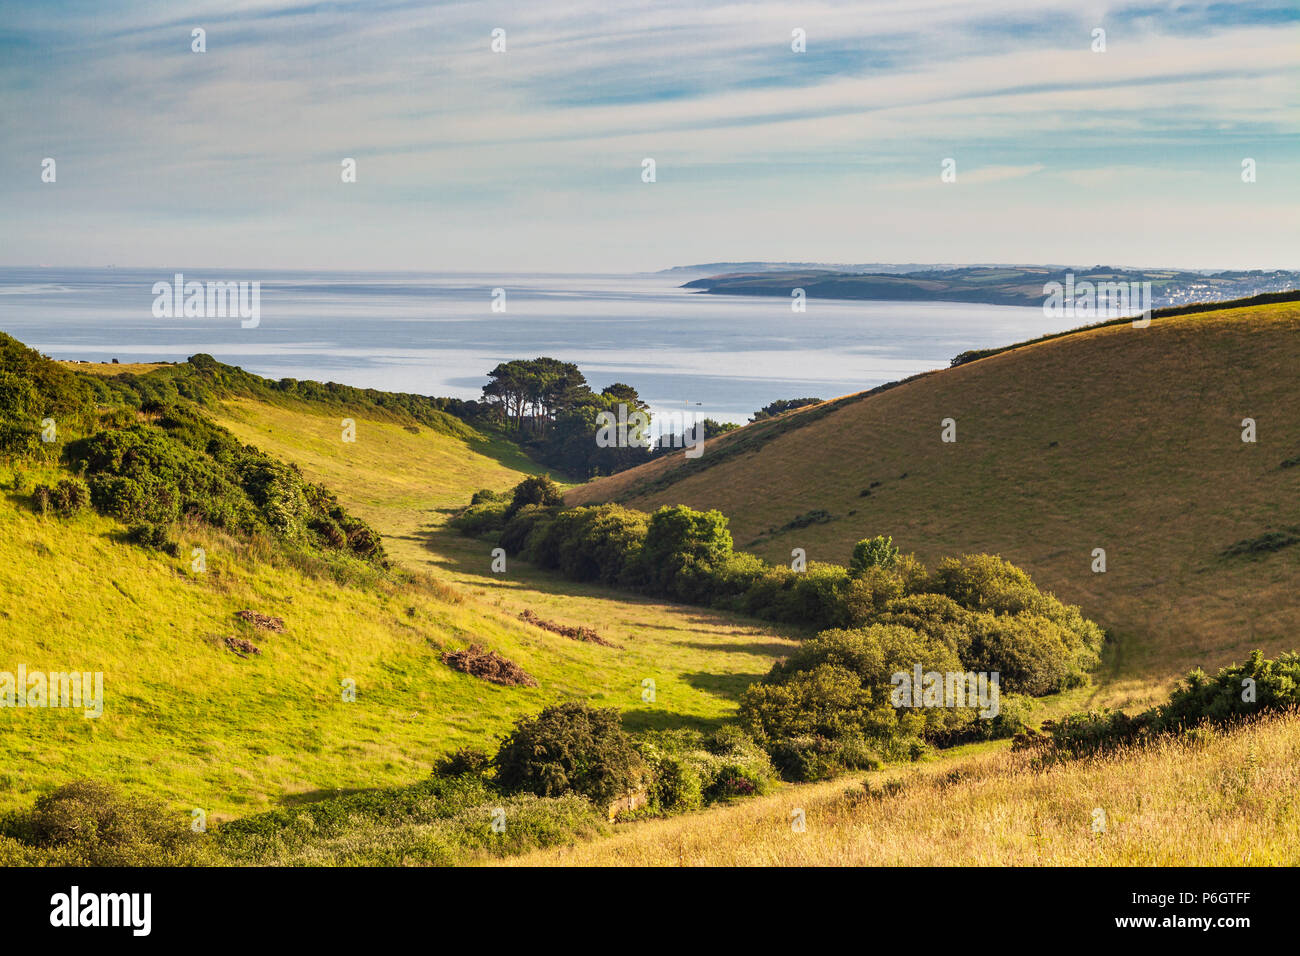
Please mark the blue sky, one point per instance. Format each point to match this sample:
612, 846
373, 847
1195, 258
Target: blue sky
530, 160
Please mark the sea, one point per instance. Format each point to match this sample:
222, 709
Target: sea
439, 334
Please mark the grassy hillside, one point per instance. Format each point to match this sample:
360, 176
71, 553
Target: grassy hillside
190, 721
1119, 438
1221, 798
407, 484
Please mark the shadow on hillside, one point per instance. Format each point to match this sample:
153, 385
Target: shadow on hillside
728, 686
315, 796
636, 721
754, 647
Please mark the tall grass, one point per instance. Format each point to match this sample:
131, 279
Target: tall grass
1222, 797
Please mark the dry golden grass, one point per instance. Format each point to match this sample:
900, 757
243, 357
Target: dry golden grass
1221, 798
1119, 438
108, 368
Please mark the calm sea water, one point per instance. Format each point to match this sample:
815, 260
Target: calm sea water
436, 334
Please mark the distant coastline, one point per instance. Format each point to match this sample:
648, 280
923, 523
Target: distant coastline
992, 285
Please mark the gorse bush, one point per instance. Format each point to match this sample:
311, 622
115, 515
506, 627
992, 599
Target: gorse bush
149, 456
186, 466
65, 498
463, 761
569, 748
88, 823
1240, 690
152, 536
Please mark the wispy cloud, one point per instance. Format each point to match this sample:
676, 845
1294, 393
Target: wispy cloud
532, 158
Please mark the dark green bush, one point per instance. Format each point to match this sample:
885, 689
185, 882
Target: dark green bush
135, 502
569, 747
65, 498
528, 524
534, 490
88, 823
152, 536
813, 757
69, 496
682, 550
480, 519
463, 761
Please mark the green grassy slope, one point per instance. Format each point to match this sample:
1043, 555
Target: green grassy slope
408, 484
1119, 438
190, 722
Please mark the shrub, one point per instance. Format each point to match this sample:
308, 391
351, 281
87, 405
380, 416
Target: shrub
690, 769
934, 615
826, 701
66, 498
152, 536
676, 784
534, 490
569, 747
806, 758
869, 592
1082, 734
606, 546
527, 525
463, 761
877, 552
1236, 692
681, 550
329, 532
69, 496
481, 518
816, 599
1031, 653
88, 823
1199, 698
135, 501
488, 496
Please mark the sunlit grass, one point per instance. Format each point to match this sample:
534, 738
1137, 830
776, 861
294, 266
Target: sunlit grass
188, 721
1222, 798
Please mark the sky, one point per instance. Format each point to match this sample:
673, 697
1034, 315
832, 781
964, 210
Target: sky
531, 159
